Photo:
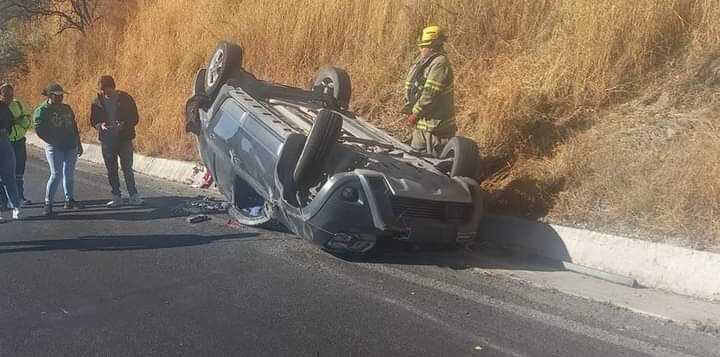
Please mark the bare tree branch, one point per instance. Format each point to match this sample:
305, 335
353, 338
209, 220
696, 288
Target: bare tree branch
12, 55
77, 15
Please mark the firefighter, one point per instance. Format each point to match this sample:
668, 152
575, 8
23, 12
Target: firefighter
429, 98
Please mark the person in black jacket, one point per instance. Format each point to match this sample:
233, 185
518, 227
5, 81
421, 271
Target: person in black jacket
7, 161
114, 114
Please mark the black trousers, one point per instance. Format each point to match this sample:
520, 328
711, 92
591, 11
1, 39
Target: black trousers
20, 149
123, 150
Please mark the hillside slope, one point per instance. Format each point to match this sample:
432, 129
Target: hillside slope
553, 91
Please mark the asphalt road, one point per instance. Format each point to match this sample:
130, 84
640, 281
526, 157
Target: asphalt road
141, 281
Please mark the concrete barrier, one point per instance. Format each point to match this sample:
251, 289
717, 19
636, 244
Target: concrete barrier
174, 170
655, 265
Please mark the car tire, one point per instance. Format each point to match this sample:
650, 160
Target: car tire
226, 59
478, 200
323, 136
199, 84
464, 153
192, 113
336, 83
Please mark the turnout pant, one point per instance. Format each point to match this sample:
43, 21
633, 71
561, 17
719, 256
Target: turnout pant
428, 142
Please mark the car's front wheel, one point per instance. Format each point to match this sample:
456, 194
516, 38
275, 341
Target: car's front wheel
464, 153
323, 136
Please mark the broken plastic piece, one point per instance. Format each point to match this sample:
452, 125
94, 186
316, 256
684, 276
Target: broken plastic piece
197, 218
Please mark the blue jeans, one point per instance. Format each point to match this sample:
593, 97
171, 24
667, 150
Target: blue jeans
20, 149
65, 160
7, 171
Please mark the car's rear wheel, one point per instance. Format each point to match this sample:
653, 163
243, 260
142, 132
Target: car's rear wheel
334, 82
199, 84
226, 59
192, 113
323, 136
464, 154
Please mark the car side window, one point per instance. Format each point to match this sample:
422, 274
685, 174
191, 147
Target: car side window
229, 120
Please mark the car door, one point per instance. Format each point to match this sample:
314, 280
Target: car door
257, 144
223, 127
243, 146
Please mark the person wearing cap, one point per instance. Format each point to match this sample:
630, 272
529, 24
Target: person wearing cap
7, 162
429, 94
114, 114
21, 123
55, 124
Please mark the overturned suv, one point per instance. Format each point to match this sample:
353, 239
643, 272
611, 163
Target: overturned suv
300, 158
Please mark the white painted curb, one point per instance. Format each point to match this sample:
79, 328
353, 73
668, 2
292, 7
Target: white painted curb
174, 170
654, 265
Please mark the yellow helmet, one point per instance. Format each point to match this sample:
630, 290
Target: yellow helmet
432, 36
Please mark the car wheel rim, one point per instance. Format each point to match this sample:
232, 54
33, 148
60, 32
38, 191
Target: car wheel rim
215, 68
328, 86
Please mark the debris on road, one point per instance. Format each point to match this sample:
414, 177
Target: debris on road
200, 205
198, 218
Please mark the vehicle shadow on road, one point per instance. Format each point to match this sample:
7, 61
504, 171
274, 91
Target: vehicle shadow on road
118, 243
154, 208
497, 247
480, 255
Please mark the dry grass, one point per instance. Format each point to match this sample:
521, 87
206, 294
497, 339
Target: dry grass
529, 75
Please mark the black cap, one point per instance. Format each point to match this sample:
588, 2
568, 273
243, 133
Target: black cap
106, 81
53, 88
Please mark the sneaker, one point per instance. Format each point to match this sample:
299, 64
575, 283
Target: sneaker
136, 200
17, 214
115, 202
25, 202
73, 204
47, 210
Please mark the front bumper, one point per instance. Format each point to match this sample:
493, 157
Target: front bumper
353, 208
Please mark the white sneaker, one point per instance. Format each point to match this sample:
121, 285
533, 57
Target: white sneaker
136, 200
17, 214
115, 202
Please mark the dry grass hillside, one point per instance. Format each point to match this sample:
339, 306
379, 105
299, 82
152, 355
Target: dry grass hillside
596, 112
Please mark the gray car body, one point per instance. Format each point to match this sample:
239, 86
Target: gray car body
401, 194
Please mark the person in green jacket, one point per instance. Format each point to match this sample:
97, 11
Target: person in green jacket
55, 124
429, 98
21, 123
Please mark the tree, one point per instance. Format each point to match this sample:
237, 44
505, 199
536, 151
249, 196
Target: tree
78, 15
12, 55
